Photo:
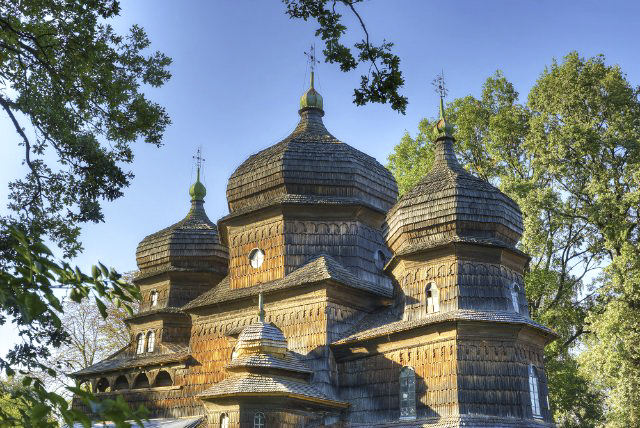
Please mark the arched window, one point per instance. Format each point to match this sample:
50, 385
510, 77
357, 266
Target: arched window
433, 298
121, 383
224, 421
258, 420
151, 341
515, 292
142, 381
163, 378
533, 392
140, 340
154, 298
407, 393
102, 385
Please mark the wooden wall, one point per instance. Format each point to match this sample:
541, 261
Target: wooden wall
453, 376
462, 284
493, 377
371, 384
351, 242
266, 235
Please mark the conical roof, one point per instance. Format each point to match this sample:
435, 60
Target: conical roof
313, 166
191, 244
450, 204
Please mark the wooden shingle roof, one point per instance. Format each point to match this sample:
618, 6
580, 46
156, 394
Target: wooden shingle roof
261, 334
450, 202
192, 244
287, 363
310, 162
386, 322
168, 353
321, 268
251, 384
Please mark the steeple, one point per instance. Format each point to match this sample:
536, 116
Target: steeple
443, 131
311, 99
442, 128
197, 191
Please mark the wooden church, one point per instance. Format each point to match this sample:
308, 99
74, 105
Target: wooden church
323, 300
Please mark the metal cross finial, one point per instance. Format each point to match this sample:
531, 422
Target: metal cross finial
439, 84
198, 158
311, 55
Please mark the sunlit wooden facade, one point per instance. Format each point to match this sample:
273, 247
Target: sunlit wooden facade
378, 311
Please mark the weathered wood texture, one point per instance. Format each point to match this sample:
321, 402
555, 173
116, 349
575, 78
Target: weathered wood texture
289, 243
175, 289
266, 235
493, 378
461, 284
316, 207
453, 377
310, 162
191, 244
449, 202
371, 384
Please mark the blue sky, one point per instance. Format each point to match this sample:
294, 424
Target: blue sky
239, 70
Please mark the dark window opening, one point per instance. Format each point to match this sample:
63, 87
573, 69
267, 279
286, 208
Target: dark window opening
163, 379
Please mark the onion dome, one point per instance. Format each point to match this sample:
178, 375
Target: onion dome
192, 244
450, 204
310, 166
311, 98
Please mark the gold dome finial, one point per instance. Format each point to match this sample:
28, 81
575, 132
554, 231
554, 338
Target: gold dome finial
442, 128
197, 191
311, 98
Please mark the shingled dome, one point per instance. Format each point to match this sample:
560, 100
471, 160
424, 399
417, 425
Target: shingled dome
262, 336
313, 166
191, 244
450, 204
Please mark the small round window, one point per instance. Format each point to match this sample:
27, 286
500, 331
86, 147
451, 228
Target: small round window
380, 259
256, 258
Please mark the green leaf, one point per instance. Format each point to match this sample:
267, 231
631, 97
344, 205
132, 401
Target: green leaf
101, 307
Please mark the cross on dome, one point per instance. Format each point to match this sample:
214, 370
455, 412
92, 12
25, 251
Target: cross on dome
440, 86
311, 57
442, 128
198, 158
311, 99
197, 191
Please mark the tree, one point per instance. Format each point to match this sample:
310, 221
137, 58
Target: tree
26, 294
587, 137
78, 84
569, 157
10, 389
91, 338
65, 72
383, 80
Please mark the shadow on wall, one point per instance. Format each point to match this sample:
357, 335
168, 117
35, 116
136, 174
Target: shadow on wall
382, 390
